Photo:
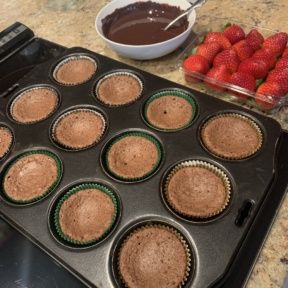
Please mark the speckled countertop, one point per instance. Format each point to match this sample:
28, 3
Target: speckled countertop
71, 23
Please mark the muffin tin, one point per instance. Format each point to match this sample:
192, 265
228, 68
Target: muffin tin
142, 202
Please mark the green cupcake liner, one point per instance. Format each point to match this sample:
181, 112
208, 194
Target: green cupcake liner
51, 188
140, 134
177, 93
67, 239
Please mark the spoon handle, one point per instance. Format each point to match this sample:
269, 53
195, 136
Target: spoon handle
186, 12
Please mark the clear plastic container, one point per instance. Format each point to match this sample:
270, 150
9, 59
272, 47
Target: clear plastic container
203, 25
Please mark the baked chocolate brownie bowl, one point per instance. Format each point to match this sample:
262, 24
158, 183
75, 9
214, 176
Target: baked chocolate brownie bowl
84, 214
197, 190
74, 69
152, 253
231, 135
132, 156
119, 88
79, 128
30, 177
7, 140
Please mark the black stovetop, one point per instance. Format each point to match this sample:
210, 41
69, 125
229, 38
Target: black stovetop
23, 264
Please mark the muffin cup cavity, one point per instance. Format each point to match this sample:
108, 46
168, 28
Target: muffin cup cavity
188, 250
117, 74
23, 94
72, 111
66, 61
171, 92
105, 152
44, 194
55, 212
9, 144
202, 164
248, 120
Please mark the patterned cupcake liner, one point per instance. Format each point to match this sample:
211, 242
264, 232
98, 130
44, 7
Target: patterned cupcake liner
138, 134
118, 73
67, 239
49, 190
3, 127
22, 94
73, 58
198, 163
65, 114
252, 123
184, 242
177, 93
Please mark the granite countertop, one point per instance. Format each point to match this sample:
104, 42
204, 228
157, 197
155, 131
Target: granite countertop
71, 23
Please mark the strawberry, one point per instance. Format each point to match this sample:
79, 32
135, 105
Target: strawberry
245, 81
282, 63
285, 53
255, 67
234, 33
268, 95
254, 39
243, 50
218, 37
276, 42
266, 55
279, 76
195, 64
209, 50
217, 74
229, 58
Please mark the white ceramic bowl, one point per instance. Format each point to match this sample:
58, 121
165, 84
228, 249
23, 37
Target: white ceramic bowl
144, 52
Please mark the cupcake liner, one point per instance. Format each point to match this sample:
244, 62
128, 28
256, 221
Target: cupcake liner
119, 73
177, 93
72, 58
3, 127
169, 228
23, 94
198, 163
68, 240
127, 134
62, 116
49, 190
252, 123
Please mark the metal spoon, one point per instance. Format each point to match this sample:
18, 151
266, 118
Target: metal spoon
186, 12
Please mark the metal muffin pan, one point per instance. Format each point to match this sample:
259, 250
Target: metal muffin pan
213, 250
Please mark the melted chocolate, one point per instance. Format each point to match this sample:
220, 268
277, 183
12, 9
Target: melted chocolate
142, 23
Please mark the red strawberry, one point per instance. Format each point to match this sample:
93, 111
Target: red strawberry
279, 76
268, 95
243, 80
234, 33
254, 39
255, 67
195, 64
266, 55
209, 50
276, 42
243, 50
229, 58
285, 53
218, 37
282, 64
216, 75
